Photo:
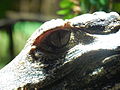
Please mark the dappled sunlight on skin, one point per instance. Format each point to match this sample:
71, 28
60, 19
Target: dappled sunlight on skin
109, 42
64, 55
96, 71
97, 15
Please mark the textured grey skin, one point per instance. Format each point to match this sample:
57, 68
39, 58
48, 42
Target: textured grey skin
88, 60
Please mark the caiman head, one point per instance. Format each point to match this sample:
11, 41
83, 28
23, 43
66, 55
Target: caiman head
79, 53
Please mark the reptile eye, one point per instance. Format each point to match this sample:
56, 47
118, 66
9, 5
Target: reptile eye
55, 41
59, 39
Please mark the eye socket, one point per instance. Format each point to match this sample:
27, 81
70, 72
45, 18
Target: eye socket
55, 41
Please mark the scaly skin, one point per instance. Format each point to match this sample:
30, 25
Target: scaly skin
82, 53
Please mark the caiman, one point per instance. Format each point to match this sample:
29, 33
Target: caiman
82, 53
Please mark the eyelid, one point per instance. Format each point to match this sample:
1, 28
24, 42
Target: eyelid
53, 41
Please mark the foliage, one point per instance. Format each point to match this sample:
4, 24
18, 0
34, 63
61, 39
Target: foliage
22, 31
4, 43
67, 8
4, 6
71, 8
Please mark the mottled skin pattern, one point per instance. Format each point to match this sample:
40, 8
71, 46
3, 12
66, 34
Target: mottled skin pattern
82, 53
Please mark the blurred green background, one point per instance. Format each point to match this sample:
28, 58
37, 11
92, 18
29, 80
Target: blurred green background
20, 18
